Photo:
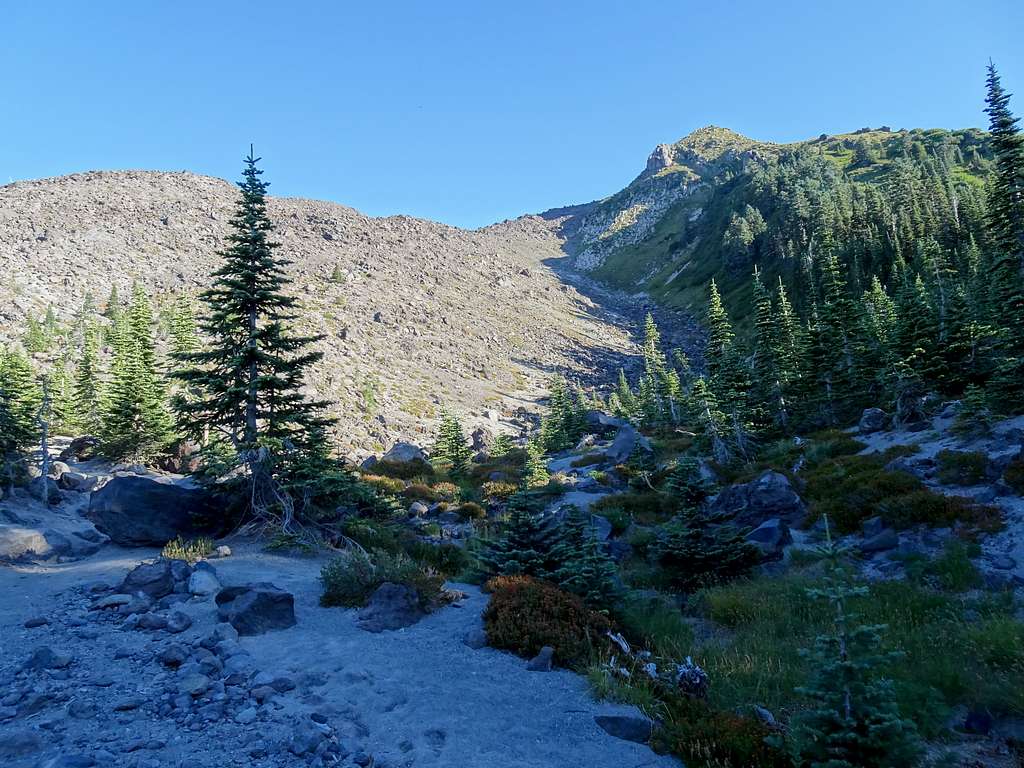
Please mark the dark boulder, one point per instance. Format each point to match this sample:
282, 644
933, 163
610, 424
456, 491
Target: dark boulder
627, 440
872, 420
153, 579
143, 512
81, 449
771, 537
392, 606
626, 727
768, 496
253, 609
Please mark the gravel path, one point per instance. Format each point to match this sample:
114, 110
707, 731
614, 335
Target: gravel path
414, 697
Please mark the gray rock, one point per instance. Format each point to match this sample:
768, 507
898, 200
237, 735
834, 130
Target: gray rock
20, 744
627, 440
256, 608
129, 703
391, 606
45, 658
768, 496
194, 685
178, 622
152, 579
143, 512
884, 540
771, 537
37, 486
872, 420
79, 482
306, 738
247, 715
81, 449
405, 453
626, 727
38, 621
543, 661
475, 638
152, 621
203, 583
173, 655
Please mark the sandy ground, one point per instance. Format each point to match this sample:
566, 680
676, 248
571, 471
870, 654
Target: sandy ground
415, 697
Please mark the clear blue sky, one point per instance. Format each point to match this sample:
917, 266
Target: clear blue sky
471, 111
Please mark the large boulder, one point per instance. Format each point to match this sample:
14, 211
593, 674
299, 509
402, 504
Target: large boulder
627, 440
391, 606
40, 486
253, 609
769, 496
73, 480
21, 543
771, 537
872, 420
599, 420
145, 512
404, 453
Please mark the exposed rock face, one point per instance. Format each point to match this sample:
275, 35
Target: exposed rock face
414, 313
392, 606
769, 496
256, 608
143, 512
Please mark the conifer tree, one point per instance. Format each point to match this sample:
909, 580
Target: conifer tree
451, 449
19, 403
245, 386
184, 339
535, 472
854, 720
581, 565
685, 485
709, 420
63, 417
525, 545
771, 408
720, 333
86, 395
136, 424
502, 445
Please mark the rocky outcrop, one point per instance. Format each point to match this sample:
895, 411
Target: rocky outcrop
872, 420
391, 606
769, 496
144, 512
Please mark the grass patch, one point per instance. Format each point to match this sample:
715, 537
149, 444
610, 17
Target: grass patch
350, 579
588, 460
189, 550
961, 467
646, 508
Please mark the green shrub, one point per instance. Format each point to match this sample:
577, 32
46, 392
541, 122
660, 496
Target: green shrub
189, 550
952, 570
961, 467
449, 560
618, 518
350, 579
524, 615
645, 508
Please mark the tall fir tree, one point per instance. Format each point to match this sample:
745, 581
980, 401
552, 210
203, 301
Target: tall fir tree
451, 450
136, 424
86, 394
246, 385
19, 404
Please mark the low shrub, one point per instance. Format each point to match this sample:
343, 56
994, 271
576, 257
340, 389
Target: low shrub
952, 570
851, 489
189, 550
446, 491
497, 489
1013, 475
384, 484
449, 560
588, 460
961, 467
471, 511
419, 492
619, 519
351, 578
524, 615
403, 470
705, 736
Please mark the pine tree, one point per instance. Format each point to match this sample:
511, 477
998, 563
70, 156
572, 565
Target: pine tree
62, 418
685, 485
854, 720
710, 420
451, 450
502, 445
720, 333
86, 396
245, 387
525, 545
136, 424
771, 408
19, 404
112, 311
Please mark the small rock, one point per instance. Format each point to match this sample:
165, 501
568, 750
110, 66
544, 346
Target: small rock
203, 583
173, 656
542, 662
885, 540
38, 621
45, 658
247, 715
152, 621
223, 551
152, 579
194, 685
178, 622
475, 638
129, 703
